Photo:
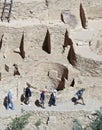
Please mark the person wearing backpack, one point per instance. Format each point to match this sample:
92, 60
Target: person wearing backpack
42, 98
10, 100
5, 103
52, 100
27, 94
79, 94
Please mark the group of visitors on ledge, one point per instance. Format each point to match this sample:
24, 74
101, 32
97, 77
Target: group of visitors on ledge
25, 98
41, 101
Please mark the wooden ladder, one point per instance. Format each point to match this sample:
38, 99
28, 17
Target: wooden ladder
6, 11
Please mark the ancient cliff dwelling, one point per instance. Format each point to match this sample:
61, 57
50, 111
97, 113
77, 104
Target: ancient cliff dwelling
51, 44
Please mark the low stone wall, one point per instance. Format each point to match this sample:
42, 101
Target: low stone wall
89, 67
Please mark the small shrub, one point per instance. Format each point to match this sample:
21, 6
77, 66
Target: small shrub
76, 125
18, 123
97, 123
38, 123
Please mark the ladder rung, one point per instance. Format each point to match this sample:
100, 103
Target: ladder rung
5, 12
6, 8
7, 4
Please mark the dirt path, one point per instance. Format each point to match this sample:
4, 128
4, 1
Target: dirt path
91, 105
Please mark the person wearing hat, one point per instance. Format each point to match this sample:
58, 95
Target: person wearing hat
42, 98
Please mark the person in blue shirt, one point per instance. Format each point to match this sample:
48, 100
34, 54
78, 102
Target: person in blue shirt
52, 100
27, 94
42, 98
10, 101
79, 95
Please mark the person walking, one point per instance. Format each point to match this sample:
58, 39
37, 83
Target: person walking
42, 98
27, 94
5, 103
10, 100
52, 100
79, 94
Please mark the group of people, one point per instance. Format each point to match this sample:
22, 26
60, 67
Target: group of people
8, 101
27, 94
53, 95
52, 100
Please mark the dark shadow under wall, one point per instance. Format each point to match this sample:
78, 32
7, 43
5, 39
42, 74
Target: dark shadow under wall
61, 84
0, 76
72, 83
22, 52
71, 55
65, 73
82, 17
67, 41
62, 18
1, 41
47, 43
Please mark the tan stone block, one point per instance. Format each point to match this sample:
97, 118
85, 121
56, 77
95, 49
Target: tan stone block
53, 74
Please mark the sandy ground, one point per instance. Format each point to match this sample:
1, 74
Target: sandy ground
92, 102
